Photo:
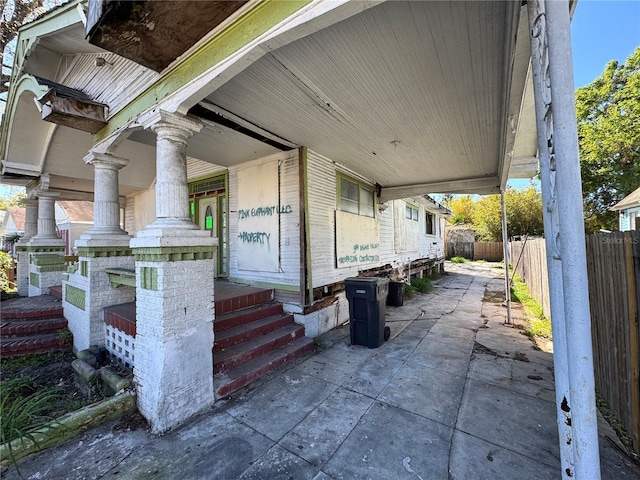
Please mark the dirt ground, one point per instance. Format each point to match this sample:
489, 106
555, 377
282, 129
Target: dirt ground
54, 370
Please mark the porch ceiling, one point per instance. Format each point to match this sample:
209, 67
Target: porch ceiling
416, 96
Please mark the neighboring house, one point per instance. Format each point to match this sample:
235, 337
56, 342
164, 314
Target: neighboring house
72, 220
12, 227
629, 211
287, 145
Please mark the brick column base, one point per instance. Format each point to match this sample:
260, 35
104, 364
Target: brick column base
46, 265
174, 331
88, 288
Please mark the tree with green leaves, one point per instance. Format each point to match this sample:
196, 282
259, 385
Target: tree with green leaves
608, 111
15, 200
484, 215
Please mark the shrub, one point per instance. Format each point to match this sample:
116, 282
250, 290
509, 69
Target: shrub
6, 262
459, 260
422, 285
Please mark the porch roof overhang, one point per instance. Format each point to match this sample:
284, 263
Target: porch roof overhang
32, 147
417, 97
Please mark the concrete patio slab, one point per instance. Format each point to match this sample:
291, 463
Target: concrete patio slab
438, 355
373, 377
391, 443
319, 435
279, 405
458, 338
471, 455
512, 420
528, 378
430, 393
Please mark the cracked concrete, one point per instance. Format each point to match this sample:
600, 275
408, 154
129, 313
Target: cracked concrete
454, 395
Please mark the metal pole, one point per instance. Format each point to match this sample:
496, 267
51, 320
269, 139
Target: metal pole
505, 250
544, 124
572, 244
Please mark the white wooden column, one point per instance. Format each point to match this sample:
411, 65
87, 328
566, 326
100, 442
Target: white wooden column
46, 249
30, 229
174, 291
106, 203
46, 229
564, 232
87, 287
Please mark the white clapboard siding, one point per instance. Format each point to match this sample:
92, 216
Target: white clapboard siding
322, 197
130, 215
197, 168
289, 274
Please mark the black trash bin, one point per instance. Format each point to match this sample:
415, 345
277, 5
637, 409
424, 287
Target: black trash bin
396, 294
367, 297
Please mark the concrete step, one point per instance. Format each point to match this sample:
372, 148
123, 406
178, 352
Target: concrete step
29, 327
248, 331
56, 291
234, 319
232, 357
236, 378
41, 343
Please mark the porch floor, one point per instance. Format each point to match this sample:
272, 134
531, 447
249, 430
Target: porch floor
454, 393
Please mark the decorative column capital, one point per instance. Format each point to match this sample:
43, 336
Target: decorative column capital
173, 126
46, 195
106, 160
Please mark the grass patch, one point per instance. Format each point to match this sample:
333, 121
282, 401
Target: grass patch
613, 420
26, 408
14, 364
422, 285
458, 260
539, 325
417, 286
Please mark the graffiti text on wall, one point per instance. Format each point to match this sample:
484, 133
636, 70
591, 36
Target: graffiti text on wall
260, 238
267, 211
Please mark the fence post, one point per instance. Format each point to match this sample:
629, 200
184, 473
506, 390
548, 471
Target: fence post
634, 357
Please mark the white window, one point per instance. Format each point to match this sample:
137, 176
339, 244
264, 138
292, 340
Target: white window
411, 213
355, 197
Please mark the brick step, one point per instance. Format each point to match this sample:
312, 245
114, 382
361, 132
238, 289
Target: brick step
257, 296
236, 378
232, 357
23, 345
31, 308
231, 320
248, 331
27, 327
56, 291
122, 317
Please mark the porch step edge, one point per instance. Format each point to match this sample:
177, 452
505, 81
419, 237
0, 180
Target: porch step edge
233, 380
232, 357
229, 320
248, 331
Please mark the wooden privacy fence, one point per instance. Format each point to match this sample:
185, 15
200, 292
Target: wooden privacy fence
613, 271
489, 251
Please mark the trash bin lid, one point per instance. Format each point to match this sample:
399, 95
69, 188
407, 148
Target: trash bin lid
366, 280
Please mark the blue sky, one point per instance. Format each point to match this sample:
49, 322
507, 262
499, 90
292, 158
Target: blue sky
601, 31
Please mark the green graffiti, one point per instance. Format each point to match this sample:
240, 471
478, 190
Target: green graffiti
254, 237
267, 211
